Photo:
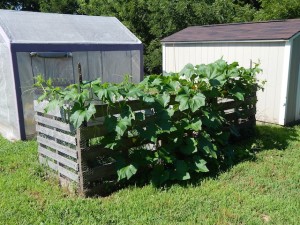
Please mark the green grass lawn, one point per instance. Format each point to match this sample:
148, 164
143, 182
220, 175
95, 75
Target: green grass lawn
264, 190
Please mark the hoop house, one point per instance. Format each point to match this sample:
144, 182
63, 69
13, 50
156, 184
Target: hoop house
52, 45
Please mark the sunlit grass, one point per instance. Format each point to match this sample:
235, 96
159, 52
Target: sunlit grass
260, 190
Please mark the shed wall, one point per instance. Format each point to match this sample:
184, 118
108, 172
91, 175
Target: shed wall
292, 111
9, 123
109, 66
269, 54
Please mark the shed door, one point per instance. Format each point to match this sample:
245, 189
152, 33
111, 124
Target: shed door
58, 66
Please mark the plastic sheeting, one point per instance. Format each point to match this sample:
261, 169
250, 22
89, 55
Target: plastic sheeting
109, 66
103, 46
34, 27
9, 123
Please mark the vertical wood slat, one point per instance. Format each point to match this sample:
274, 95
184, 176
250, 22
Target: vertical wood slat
81, 144
80, 162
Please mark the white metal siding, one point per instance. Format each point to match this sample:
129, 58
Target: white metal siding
293, 106
269, 54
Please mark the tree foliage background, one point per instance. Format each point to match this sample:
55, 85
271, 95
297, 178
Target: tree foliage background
153, 20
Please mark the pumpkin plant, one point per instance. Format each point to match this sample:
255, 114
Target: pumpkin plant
181, 131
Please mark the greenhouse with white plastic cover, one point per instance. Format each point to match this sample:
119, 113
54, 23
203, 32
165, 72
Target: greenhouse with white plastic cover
52, 45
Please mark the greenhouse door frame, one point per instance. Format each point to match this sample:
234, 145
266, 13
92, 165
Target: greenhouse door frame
48, 47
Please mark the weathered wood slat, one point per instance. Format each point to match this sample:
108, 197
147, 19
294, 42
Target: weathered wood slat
56, 134
102, 110
242, 114
40, 107
68, 174
92, 132
246, 124
99, 150
58, 147
54, 123
58, 158
87, 133
233, 104
47, 162
100, 130
98, 121
95, 151
59, 169
100, 172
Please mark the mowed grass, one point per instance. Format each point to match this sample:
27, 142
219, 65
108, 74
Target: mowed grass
261, 190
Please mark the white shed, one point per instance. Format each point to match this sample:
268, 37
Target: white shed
52, 45
275, 44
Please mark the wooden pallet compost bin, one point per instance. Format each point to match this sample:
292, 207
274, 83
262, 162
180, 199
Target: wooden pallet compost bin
91, 168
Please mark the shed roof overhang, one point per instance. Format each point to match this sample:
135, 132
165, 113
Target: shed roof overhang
282, 30
34, 27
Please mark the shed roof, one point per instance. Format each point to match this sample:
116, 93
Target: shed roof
35, 27
272, 30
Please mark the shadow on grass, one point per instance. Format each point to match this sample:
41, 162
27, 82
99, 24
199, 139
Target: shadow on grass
269, 137
265, 137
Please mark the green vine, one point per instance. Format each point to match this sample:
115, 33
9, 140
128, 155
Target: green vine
180, 133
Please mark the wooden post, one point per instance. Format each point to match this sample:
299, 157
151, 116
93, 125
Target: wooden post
79, 74
81, 144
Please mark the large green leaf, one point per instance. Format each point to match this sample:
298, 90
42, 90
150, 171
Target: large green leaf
81, 114
159, 175
148, 99
165, 154
196, 102
157, 81
163, 99
183, 100
112, 94
134, 92
200, 164
215, 73
89, 112
127, 172
195, 126
53, 105
110, 123
77, 118
201, 70
239, 96
174, 86
180, 171
238, 93
122, 125
190, 146
187, 71
149, 132
207, 146
102, 94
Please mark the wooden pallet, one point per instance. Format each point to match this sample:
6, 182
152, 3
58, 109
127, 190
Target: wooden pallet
72, 155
